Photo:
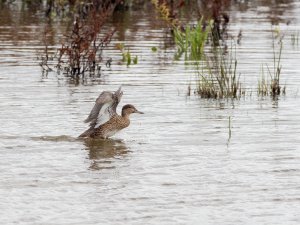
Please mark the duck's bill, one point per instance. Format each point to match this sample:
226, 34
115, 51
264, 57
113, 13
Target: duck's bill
139, 112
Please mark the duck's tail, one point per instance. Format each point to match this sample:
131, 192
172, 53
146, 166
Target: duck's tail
86, 133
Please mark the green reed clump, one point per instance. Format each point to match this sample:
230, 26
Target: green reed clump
191, 40
218, 76
272, 86
126, 55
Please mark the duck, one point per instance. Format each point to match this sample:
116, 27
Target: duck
104, 120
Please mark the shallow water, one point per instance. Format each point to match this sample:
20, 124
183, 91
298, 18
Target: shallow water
177, 163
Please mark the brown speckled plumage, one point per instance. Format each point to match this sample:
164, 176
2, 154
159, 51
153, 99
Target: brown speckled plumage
104, 121
115, 124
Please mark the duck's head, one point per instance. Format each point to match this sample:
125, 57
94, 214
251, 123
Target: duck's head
128, 109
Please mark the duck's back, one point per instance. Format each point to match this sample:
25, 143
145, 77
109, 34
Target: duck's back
108, 129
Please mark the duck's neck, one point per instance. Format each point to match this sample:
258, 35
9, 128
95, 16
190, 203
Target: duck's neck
125, 116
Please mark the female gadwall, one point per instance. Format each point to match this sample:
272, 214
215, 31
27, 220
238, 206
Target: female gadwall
104, 120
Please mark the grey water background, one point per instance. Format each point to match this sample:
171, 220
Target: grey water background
177, 163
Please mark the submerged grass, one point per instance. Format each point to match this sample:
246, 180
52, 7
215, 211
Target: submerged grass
263, 84
271, 84
218, 77
229, 130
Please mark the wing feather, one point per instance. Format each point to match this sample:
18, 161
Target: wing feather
104, 108
117, 98
105, 98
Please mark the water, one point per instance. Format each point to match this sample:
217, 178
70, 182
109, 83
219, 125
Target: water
177, 163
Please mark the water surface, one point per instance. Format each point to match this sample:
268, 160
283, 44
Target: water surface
177, 163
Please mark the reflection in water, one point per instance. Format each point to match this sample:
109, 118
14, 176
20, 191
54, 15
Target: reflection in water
55, 138
103, 152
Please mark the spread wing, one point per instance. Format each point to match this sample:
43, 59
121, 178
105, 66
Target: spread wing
104, 108
117, 98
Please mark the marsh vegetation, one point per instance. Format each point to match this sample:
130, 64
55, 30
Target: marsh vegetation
270, 80
188, 160
82, 46
218, 77
203, 40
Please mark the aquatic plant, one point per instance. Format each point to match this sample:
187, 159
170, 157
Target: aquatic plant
191, 40
81, 50
135, 60
218, 77
154, 49
229, 127
229, 130
166, 11
263, 84
126, 55
272, 86
44, 56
